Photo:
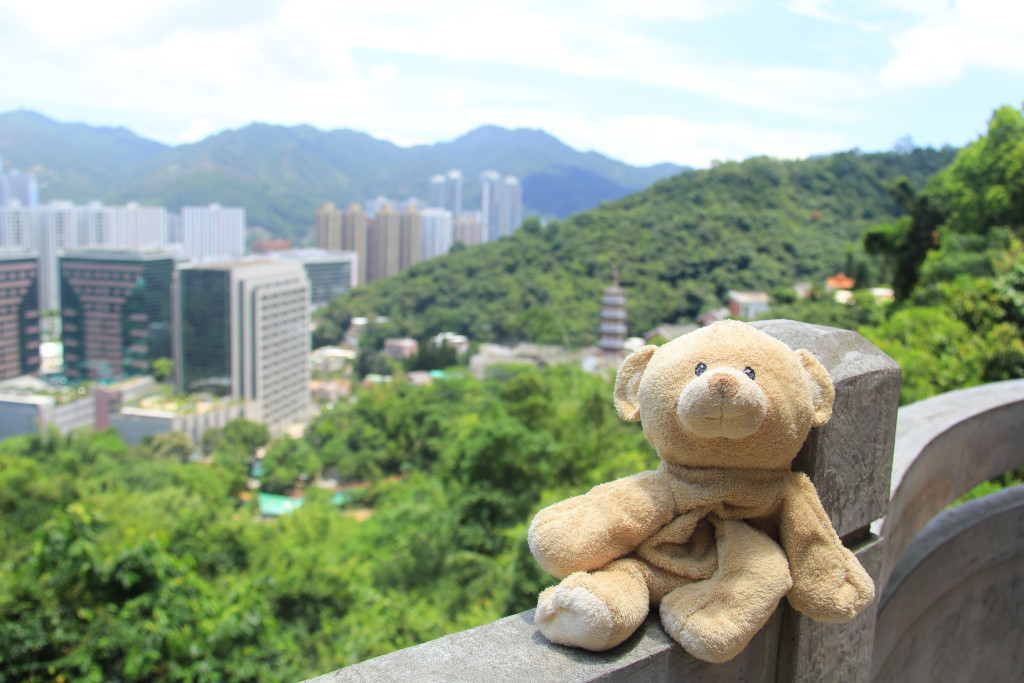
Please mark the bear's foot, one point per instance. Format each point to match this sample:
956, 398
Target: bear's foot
714, 619
595, 611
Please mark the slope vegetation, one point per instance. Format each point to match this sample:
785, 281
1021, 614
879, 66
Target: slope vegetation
679, 246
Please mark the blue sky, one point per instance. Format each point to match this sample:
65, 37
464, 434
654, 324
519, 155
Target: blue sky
645, 81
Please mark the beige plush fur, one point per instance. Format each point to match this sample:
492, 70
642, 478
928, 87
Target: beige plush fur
722, 529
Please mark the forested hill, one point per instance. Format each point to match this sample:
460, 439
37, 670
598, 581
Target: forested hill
679, 246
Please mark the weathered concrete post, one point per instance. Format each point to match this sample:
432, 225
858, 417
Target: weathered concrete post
850, 462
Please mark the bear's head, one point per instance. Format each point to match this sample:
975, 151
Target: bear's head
727, 395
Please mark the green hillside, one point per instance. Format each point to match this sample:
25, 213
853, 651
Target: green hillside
281, 175
679, 246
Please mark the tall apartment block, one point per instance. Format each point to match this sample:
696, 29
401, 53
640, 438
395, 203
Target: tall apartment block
437, 232
328, 227
56, 231
115, 312
383, 235
19, 314
213, 233
122, 227
502, 200
242, 330
445, 192
338, 230
468, 228
18, 188
410, 237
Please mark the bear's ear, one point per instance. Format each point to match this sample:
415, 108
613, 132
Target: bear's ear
627, 383
823, 394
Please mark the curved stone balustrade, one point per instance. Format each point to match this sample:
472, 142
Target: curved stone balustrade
945, 446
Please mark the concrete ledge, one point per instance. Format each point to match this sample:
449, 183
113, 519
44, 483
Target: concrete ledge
511, 649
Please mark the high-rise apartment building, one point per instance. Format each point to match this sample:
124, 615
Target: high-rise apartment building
328, 227
384, 234
115, 312
56, 231
437, 232
213, 233
18, 188
242, 330
502, 200
19, 314
410, 237
338, 230
468, 228
445, 192
122, 227
511, 215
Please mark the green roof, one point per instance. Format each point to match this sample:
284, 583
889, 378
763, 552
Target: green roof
273, 505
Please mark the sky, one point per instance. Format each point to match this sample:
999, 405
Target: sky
643, 81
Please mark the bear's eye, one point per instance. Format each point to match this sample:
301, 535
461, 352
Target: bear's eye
748, 372
699, 370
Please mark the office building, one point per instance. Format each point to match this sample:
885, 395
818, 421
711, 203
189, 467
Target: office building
242, 330
19, 314
115, 312
330, 273
213, 233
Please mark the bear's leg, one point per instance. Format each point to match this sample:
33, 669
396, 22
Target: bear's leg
714, 619
595, 610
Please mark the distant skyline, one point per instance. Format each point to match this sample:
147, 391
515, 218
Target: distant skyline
644, 81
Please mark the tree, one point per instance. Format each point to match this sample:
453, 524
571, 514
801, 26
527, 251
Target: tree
162, 369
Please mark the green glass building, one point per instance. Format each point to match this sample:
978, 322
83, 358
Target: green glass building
115, 312
19, 315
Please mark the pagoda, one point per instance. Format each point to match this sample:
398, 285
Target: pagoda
613, 320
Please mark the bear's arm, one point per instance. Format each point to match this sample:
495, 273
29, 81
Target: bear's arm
829, 583
588, 531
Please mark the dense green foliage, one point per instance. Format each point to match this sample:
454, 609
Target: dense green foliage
679, 246
956, 260
282, 175
132, 564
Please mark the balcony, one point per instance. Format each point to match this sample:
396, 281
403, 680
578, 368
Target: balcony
950, 582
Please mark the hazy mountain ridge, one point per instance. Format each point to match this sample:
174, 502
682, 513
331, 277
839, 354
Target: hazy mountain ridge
283, 174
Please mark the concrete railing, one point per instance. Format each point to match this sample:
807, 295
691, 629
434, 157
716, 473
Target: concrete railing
943, 447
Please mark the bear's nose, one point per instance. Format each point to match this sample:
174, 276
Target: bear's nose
724, 384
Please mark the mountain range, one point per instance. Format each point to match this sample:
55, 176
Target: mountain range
281, 175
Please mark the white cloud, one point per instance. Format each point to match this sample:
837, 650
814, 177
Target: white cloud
646, 140
947, 41
196, 131
384, 72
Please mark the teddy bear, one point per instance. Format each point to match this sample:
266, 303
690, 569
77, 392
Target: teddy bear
722, 529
